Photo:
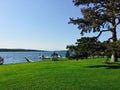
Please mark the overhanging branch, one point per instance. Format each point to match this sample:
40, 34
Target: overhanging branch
101, 33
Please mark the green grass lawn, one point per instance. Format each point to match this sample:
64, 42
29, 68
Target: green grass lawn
89, 74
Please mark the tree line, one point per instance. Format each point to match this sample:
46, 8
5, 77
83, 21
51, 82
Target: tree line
19, 50
92, 47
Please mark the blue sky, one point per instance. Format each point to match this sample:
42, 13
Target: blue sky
38, 24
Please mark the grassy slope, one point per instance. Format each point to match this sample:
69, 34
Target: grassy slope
61, 75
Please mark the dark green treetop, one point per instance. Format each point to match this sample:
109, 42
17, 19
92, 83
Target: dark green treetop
86, 47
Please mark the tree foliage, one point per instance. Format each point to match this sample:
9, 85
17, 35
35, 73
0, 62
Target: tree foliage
111, 47
86, 47
98, 16
91, 47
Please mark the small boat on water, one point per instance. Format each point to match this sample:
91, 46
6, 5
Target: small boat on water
44, 57
1, 60
28, 59
53, 55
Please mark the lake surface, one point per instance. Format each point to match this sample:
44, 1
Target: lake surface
19, 57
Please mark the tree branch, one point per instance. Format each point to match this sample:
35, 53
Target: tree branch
101, 33
118, 22
109, 39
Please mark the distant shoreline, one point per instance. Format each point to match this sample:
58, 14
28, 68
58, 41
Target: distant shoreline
20, 50
25, 50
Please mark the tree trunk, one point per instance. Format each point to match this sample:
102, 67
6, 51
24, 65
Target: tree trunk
114, 57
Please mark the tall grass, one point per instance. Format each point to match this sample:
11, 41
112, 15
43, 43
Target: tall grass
89, 74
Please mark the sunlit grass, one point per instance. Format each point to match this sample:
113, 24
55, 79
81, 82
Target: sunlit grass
64, 74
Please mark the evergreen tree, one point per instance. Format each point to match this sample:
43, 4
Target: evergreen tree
86, 47
99, 16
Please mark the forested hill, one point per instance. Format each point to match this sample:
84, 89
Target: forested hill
20, 50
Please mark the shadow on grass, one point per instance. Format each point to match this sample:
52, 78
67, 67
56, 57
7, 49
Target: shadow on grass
106, 66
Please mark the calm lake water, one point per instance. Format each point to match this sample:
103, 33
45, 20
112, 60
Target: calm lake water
19, 57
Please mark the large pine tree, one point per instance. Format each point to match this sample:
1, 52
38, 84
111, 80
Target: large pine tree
99, 16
